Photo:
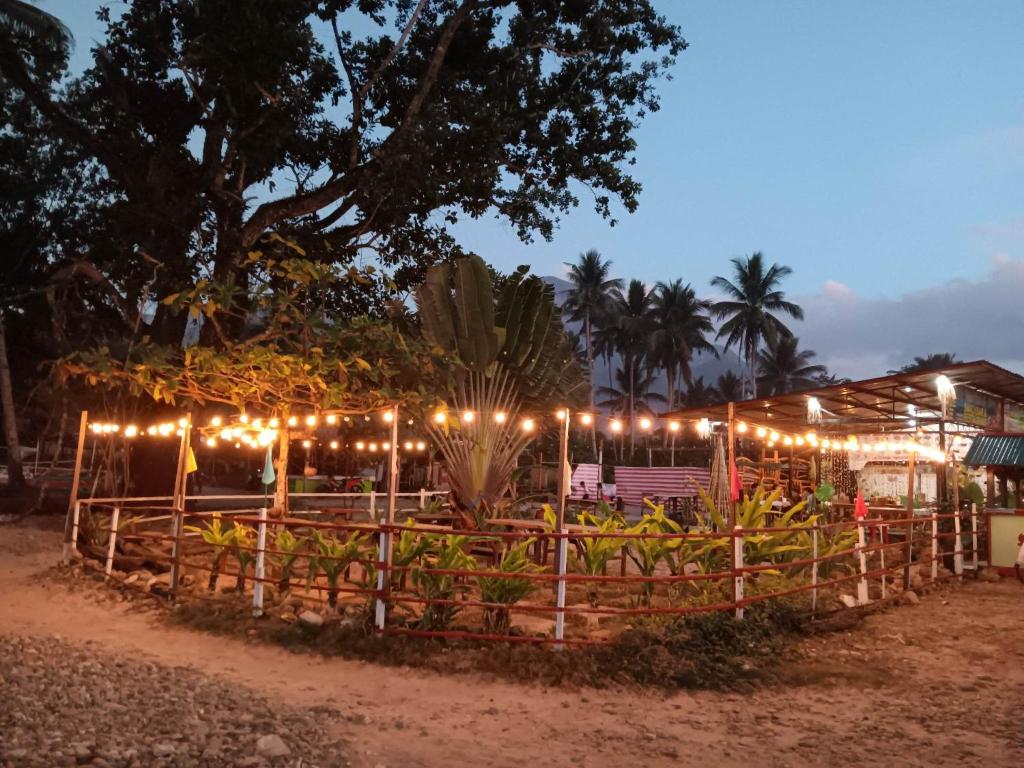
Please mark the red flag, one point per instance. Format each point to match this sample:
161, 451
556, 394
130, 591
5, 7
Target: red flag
860, 509
734, 482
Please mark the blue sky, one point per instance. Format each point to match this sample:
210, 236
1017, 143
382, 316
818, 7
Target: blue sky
875, 147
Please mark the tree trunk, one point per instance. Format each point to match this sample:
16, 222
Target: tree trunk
15, 472
281, 492
632, 412
590, 370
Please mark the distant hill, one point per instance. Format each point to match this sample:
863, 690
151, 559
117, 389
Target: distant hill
707, 366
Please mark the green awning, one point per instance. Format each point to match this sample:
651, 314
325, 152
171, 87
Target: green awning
996, 451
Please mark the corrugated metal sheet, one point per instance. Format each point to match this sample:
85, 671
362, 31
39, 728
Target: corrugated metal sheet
996, 450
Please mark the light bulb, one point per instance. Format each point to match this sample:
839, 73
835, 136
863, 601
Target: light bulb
673, 426
440, 417
407, 445
421, 446
216, 421
645, 423
741, 427
332, 418
389, 416
311, 421
587, 419
615, 425
212, 442
528, 425
334, 445
360, 445
761, 432
500, 417
467, 416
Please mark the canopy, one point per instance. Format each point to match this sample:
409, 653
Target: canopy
996, 451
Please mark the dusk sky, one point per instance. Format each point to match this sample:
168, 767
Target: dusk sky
876, 148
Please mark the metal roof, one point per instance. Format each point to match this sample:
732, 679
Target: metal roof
871, 405
996, 451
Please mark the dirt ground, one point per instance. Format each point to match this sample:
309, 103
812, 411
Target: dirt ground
940, 683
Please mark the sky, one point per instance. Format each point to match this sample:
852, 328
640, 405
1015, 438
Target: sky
877, 148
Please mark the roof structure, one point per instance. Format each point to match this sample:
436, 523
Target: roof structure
996, 451
988, 398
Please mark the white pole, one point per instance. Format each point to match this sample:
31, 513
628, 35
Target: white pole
862, 585
958, 547
423, 498
814, 569
383, 574
382, 556
260, 569
76, 516
563, 552
737, 551
373, 505
974, 535
113, 540
881, 557
935, 544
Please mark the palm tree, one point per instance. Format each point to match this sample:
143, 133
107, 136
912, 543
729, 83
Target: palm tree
730, 387
632, 311
698, 394
753, 297
783, 368
929, 362
19, 19
618, 399
589, 298
680, 323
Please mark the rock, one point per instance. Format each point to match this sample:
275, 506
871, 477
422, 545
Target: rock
848, 600
910, 598
989, 574
311, 619
272, 745
163, 749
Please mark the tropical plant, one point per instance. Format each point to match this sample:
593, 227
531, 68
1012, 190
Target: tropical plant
698, 394
287, 548
243, 547
408, 548
589, 298
220, 538
680, 325
783, 368
929, 362
648, 551
632, 312
507, 590
332, 557
436, 587
753, 300
729, 387
636, 394
595, 552
20, 20
824, 492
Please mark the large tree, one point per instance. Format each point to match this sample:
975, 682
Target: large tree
215, 123
929, 362
751, 308
784, 367
680, 326
633, 324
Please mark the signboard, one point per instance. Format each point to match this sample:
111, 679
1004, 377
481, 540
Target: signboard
977, 409
1013, 418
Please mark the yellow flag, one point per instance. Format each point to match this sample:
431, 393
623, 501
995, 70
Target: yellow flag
190, 462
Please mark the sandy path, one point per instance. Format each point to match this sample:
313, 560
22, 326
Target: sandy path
937, 684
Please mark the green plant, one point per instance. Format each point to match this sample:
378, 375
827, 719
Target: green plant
445, 553
243, 546
332, 557
594, 552
647, 552
507, 590
824, 492
287, 546
409, 546
218, 537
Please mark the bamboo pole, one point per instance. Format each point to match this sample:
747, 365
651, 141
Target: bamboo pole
71, 543
908, 547
385, 549
178, 516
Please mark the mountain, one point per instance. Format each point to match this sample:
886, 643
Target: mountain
707, 366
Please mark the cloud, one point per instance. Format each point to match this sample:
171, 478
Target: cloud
976, 319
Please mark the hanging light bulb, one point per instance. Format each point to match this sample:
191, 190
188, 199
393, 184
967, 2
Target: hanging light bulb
586, 419
360, 445
826, 443
97, 428
561, 413
274, 423
645, 423
244, 418
216, 421
332, 418
407, 445
741, 427
151, 430
131, 430
334, 445
307, 443
673, 426
615, 425
389, 416
257, 423
292, 421
467, 416
212, 442
799, 440
813, 410
385, 446
762, 432
528, 425
311, 421
787, 440
373, 446
421, 446
500, 417
774, 436
440, 417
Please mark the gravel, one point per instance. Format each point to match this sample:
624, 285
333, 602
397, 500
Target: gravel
64, 704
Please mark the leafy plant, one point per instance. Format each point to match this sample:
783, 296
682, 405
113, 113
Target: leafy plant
446, 553
507, 590
408, 548
824, 492
332, 557
288, 547
243, 546
218, 537
647, 552
595, 552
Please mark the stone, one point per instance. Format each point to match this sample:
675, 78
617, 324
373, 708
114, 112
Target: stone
989, 574
272, 745
163, 749
311, 619
910, 598
848, 600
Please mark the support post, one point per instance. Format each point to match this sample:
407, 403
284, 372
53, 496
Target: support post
814, 570
178, 515
423, 498
259, 573
862, 557
881, 561
737, 559
384, 569
373, 505
935, 545
958, 548
563, 557
974, 536
114, 518
563, 461
71, 522
908, 548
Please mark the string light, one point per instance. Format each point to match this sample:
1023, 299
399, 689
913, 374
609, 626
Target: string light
332, 418
787, 440
762, 432
244, 418
292, 421
360, 445
673, 426
773, 436
741, 427
421, 446
216, 421
528, 425
615, 425
151, 430
407, 445
561, 414
212, 442
311, 421
467, 416
334, 445
440, 417
373, 446
307, 443
500, 417
389, 416
274, 423
385, 446
586, 419
131, 430
645, 423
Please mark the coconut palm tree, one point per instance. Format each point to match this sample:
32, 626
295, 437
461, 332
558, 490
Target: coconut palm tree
753, 298
21, 20
632, 311
730, 387
620, 399
929, 362
680, 324
697, 394
589, 298
784, 368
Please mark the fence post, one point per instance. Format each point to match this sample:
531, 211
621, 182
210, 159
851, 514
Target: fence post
113, 540
814, 569
384, 558
423, 498
563, 556
935, 544
862, 585
883, 539
74, 532
974, 535
958, 547
260, 567
373, 505
737, 558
